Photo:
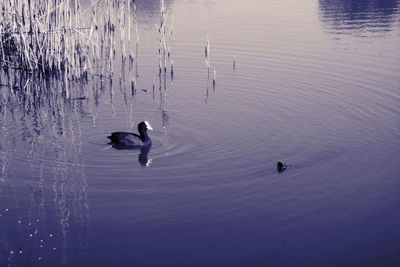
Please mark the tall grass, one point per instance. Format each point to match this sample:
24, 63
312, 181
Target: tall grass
60, 38
45, 36
165, 40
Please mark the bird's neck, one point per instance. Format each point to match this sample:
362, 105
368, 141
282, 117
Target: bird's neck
144, 136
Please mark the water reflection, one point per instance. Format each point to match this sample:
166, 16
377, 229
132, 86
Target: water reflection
359, 17
143, 157
42, 178
149, 10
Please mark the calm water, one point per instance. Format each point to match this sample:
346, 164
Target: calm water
316, 84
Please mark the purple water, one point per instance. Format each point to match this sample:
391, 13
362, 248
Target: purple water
315, 84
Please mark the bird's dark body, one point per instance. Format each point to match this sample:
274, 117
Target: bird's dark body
131, 140
128, 139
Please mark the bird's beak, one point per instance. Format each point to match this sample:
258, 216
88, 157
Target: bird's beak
148, 126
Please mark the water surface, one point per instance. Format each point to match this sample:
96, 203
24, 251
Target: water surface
315, 84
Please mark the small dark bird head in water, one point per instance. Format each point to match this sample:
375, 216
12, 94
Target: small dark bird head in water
281, 166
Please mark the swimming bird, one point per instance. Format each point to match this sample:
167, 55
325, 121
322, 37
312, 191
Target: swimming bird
132, 140
281, 166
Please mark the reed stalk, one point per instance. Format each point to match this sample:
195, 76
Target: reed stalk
56, 38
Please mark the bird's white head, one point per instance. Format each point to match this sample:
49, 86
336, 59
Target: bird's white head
148, 126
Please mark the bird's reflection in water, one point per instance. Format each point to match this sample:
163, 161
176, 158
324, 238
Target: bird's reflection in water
143, 157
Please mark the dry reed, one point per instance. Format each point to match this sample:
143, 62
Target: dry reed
58, 38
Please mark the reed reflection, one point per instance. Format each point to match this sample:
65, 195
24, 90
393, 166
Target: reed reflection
43, 181
356, 17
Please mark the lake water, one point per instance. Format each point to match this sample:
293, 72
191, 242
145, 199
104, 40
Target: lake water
315, 84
